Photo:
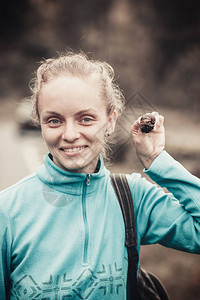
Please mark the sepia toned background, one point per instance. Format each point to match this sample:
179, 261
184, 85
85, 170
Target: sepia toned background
154, 47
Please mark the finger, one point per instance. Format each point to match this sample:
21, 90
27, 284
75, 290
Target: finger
136, 126
159, 118
160, 121
156, 115
137, 123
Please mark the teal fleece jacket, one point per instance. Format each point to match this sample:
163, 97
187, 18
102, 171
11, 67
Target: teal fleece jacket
62, 234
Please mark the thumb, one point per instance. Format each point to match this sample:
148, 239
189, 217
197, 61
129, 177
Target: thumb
135, 127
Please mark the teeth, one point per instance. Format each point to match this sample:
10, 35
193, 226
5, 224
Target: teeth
71, 150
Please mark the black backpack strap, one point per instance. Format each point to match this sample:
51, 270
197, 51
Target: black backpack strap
124, 196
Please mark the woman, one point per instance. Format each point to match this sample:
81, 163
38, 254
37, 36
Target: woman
62, 232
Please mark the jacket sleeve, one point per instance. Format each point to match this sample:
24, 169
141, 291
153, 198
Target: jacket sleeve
173, 218
5, 257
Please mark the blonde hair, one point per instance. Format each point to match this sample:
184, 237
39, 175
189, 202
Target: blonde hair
78, 65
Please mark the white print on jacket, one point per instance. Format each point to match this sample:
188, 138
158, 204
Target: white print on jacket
109, 280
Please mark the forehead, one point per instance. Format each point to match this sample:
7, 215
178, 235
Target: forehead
82, 92
69, 83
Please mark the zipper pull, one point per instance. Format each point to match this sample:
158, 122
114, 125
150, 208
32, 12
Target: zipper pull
88, 179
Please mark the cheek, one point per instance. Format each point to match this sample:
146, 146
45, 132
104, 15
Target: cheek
50, 137
98, 136
99, 140
98, 131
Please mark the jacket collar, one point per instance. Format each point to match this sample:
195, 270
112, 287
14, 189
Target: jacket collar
68, 182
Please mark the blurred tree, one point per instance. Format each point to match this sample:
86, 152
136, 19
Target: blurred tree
152, 44
12, 20
175, 28
32, 29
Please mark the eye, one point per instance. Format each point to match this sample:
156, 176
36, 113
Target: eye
86, 120
54, 122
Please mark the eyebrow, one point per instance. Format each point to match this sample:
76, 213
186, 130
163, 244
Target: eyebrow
81, 112
52, 113
85, 111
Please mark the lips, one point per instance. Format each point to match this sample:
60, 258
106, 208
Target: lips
73, 149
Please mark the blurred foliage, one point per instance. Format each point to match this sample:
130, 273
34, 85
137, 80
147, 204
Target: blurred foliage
153, 46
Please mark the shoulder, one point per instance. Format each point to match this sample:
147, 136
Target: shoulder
142, 189
19, 185
18, 191
137, 182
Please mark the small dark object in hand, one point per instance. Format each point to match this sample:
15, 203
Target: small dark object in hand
147, 122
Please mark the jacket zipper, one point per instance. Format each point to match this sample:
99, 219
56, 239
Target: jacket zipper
85, 221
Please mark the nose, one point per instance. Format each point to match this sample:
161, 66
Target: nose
70, 132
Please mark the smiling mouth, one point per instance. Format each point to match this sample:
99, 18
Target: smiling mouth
73, 149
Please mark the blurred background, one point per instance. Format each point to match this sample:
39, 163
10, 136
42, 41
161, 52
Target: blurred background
154, 47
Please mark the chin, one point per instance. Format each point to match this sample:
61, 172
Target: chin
71, 166
77, 164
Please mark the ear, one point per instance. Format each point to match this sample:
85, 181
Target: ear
112, 121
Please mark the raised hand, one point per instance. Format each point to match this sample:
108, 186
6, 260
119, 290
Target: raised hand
148, 145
